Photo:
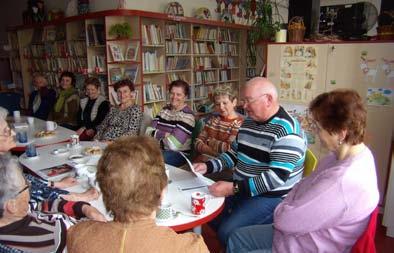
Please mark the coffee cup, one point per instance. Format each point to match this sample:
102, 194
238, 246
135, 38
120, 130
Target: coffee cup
165, 212
30, 120
21, 137
51, 125
17, 114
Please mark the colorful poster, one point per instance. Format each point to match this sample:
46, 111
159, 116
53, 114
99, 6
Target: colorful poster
380, 96
298, 72
301, 113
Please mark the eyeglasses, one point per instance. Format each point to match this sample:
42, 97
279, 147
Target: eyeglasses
252, 100
23, 189
7, 132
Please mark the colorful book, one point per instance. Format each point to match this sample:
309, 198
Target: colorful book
115, 75
131, 73
56, 171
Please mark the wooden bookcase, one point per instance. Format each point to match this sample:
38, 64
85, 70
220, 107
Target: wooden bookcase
162, 48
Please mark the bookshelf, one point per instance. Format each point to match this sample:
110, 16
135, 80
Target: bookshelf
162, 48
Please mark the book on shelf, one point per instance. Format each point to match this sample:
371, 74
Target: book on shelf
114, 97
49, 33
96, 34
116, 52
99, 63
56, 171
152, 35
131, 73
115, 75
132, 52
152, 92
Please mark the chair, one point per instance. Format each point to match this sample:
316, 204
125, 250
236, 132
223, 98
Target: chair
310, 163
366, 242
10, 101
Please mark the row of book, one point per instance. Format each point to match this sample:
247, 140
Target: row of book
176, 47
58, 65
152, 35
228, 35
176, 31
176, 76
177, 63
226, 62
225, 75
205, 62
116, 74
48, 33
153, 92
226, 49
200, 91
203, 77
202, 33
56, 49
250, 72
203, 48
99, 63
152, 62
96, 34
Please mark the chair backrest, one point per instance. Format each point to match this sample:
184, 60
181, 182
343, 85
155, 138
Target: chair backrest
366, 242
11, 101
310, 163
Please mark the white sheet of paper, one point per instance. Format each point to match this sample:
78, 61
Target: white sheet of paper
191, 166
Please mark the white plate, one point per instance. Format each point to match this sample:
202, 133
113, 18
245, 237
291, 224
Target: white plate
60, 151
31, 157
77, 158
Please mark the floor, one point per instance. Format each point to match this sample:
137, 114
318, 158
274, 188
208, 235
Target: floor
384, 244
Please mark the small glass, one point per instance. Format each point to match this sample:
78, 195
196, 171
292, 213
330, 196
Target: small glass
31, 150
21, 137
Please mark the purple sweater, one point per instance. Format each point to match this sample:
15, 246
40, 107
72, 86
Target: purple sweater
328, 210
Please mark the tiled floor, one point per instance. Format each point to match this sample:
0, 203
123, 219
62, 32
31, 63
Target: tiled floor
384, 244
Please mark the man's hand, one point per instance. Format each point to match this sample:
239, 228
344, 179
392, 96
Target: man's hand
92, 213
66, 182
221, 189
200, 167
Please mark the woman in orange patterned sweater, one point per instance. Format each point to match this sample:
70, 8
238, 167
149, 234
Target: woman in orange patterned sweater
221, 129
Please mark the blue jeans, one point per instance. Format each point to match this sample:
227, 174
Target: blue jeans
173, 158
256, 239
241, 212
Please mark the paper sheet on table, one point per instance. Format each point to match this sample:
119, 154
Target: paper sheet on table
193, 183
191, 166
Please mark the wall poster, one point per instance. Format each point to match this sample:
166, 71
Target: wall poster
298, 72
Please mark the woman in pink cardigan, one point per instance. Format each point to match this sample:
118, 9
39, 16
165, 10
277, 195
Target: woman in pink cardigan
328, 210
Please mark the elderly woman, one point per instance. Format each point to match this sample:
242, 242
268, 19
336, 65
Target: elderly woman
67, 103
132, 178
93, 110
42, 99
31, 226
124, 119
174, 124
41, 189
328, 210
220, 130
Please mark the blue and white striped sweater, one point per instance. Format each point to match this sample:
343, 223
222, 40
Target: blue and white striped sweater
268, 157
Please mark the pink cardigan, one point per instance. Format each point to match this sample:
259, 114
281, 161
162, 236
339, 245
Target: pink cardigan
329, 210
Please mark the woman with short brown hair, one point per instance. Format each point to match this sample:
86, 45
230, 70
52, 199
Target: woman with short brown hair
132, 178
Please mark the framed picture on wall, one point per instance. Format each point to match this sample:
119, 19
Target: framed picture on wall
116, 52
132, 52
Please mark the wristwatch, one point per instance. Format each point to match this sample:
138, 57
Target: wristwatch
235, 188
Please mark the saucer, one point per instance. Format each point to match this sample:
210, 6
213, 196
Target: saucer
59, 151
31, 157
77, 158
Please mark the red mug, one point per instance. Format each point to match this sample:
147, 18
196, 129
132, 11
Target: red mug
198, 203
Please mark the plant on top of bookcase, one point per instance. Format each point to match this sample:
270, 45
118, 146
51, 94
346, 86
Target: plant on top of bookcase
120, 30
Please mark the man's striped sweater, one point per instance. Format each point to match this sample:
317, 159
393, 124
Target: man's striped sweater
267, 157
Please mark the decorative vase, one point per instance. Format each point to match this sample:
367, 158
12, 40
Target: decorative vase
280, 36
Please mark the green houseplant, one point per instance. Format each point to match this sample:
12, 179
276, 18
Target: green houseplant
120, 30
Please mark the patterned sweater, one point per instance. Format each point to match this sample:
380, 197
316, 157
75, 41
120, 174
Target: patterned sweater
43, 229
120, 123
268, 156
178, 124
218, 134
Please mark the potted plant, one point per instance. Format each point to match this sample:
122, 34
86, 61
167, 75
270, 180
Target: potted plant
264, 26
120, 30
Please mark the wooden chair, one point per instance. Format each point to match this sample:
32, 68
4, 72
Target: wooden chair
310, 163
366, 242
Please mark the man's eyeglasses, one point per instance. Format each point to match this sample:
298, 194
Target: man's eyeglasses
252, 100
23, 189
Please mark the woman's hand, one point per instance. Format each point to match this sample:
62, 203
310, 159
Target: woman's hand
66, 182
221, 189
90, 132
92, 213
200, 167
80, 131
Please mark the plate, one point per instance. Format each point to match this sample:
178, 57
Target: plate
77, 158
31, 157
59, 151
42, 134
94, 150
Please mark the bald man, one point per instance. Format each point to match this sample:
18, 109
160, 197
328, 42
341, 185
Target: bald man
267, 157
